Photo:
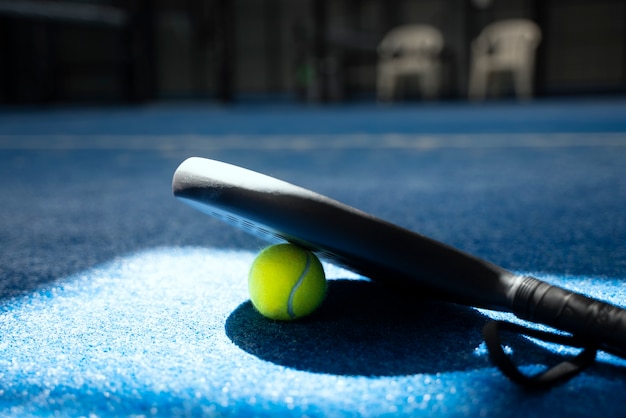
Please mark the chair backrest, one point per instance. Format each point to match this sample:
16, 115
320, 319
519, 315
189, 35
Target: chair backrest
411, 39
512, 39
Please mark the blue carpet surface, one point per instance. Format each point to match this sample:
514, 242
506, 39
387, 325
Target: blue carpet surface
118, 300
555, 116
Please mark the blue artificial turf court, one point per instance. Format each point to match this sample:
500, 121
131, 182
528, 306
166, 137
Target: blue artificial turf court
118, 300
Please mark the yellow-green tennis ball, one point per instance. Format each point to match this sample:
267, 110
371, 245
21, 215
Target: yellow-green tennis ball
286, 282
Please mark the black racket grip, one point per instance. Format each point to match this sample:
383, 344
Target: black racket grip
594, 322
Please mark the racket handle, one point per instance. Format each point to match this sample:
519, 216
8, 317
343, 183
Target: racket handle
594, 322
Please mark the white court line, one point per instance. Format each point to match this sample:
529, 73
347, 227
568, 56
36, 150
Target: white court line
310, 142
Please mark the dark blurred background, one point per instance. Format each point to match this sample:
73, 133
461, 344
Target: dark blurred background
123, 51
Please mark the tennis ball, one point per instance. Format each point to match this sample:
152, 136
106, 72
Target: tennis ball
286, 282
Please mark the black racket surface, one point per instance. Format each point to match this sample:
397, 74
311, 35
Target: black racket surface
275, 211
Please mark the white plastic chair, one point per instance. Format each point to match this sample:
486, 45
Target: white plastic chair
505, 46
411, 50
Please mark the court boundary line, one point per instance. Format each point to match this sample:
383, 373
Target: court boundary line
310, 142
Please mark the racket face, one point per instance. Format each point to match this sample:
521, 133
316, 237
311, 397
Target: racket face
278, 211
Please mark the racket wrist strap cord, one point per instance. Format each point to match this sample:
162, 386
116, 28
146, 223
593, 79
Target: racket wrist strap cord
593, 325
554, 375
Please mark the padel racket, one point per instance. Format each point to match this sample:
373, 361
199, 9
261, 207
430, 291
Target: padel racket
279, 211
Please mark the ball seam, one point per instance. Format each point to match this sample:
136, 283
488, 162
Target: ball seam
294, 289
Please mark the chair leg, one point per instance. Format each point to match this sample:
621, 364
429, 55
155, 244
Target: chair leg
430, 84
386, 86
523, 83
478, 83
